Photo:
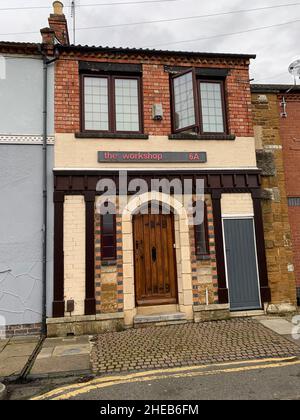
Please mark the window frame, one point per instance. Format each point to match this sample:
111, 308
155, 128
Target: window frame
197, 122
111, 78
224, 108
198, 126
200, 255
102, 235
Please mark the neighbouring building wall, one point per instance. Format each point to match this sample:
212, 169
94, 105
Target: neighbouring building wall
21, 97
277, 229
21, 193
290, 137
21, 224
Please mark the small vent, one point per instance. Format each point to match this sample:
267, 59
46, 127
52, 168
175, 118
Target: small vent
294, 201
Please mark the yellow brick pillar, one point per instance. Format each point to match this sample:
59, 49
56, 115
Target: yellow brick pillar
74, 251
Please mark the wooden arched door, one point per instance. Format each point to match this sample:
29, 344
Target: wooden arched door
155, 259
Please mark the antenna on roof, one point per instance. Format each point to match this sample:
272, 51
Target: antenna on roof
73, 15
294, 70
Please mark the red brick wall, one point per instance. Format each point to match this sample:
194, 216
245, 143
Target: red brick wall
290, 136
294, 215
67, 97
156, 89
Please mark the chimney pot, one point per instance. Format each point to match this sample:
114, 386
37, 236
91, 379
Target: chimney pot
58, 8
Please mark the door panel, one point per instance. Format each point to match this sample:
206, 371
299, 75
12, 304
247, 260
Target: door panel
241, 259
155, 262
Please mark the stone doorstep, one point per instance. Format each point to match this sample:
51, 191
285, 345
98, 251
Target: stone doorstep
215, 307
247, 314
160, 318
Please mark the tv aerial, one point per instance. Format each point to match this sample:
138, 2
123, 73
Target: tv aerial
74, 5
294, 70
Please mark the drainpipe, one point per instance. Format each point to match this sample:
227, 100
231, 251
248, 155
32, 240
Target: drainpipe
27, 368
46, 63
45, 193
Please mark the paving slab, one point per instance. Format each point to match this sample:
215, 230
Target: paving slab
14, 354
3, 343
61, 366
53, 342
71, 350
15, 350
24, 339
63, 356
279, 325
12, 366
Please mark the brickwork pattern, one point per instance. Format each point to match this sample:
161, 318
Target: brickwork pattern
156, 89
98, 261
120, 284
21, 330
205, 276
108, 275
275, 211
289, 132
187, 344
237, 204
290, 137
74, 251
294, 217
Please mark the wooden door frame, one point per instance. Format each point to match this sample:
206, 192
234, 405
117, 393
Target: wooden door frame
161, 301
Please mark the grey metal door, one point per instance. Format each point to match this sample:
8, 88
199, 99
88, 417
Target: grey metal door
241, 261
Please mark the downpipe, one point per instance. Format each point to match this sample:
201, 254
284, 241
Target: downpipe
22, 378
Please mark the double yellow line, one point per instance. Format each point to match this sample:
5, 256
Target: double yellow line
71, 391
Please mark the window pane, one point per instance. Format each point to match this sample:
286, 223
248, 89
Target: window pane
200, 240
201, 236
96, 103
184, 101
212, 108
108, 237
127, 109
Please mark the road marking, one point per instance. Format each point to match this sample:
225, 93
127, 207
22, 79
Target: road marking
90, 388
70, 391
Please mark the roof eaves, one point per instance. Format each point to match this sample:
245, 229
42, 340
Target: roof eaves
122, 50
19, 47
274, 88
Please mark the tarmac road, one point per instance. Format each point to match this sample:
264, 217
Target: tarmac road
268, 379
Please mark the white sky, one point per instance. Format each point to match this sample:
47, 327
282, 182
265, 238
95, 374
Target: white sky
276, 48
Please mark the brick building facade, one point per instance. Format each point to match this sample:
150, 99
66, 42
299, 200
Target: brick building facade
187, 116
130, 119
279, 108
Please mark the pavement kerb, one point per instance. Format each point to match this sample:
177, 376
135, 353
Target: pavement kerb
59, 375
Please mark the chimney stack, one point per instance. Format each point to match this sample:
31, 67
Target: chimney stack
58, 26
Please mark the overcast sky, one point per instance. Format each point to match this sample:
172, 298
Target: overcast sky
275, 47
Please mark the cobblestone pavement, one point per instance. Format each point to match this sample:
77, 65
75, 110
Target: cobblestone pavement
187, 344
